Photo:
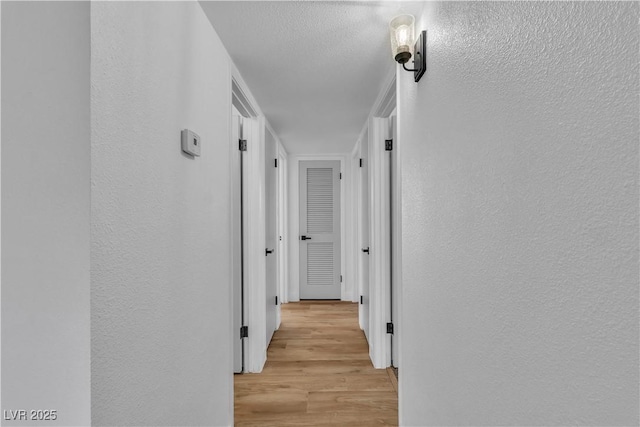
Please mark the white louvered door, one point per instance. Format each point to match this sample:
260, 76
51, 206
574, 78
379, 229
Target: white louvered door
320, 229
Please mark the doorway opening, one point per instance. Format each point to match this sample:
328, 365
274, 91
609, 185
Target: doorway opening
378, 229
258, 221
243, 134
237, 241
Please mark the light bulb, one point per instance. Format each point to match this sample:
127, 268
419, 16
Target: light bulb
403, 35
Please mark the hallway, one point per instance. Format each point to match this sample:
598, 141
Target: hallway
318, 372
177, 175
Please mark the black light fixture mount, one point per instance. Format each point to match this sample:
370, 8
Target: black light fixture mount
420, 57
401, 29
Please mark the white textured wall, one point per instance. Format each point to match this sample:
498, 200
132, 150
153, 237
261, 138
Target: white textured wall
160, 293
45, 210
520, 216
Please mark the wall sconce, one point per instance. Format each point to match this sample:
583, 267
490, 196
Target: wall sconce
402, 38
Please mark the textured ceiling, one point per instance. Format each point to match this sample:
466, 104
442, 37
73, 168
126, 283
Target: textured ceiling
315, 67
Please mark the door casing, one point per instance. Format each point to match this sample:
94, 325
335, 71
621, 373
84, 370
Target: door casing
272, 302
347, 204
237, 281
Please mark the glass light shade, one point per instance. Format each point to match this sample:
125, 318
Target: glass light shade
402, 39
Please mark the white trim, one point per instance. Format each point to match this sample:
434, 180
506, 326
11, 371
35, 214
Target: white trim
385, 103
294, 222
279, 146
397, 267
396, 224
283, 164
232, 221
240, 102
281, 218
241, 90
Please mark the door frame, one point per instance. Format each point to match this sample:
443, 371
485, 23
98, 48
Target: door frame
235, 212
253, 223
283, 246
380, 242
293, 290
354, 235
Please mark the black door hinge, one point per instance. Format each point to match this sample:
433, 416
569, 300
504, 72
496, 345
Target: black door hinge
360, 161
243, 145
276, 162
390, 328
276, 299
361, 299
340, 175
341, 278
388, 144
244, 332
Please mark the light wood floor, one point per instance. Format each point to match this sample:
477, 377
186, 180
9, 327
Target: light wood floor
318, 373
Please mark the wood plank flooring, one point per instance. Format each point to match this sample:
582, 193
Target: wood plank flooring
318, 373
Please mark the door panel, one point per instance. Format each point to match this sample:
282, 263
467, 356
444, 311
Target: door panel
395, 247
236, 233
271, 235
364, 234
320, 224
282, 235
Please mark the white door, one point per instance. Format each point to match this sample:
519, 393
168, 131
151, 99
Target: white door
271, 235
282, 227
236, 250
320, 229
395, 247
364, 236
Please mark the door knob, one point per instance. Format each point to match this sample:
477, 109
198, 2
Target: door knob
268, 251
305, 238
365, 250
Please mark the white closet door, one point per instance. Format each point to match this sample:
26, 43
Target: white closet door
365, 213
320, 229
271, 236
